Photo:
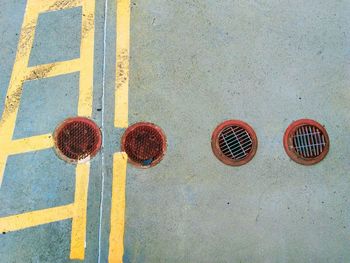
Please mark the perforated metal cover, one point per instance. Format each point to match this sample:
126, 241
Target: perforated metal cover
77, 139
145, 144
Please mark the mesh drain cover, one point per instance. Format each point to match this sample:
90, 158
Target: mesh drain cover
306, 142
234, 142
144, 143
77, 139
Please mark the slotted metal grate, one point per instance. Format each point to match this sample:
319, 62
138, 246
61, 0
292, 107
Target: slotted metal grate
306, 142
309, 141
144, 143
235, 142
77, 139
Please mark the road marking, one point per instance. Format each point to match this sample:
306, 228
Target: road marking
116, 236
77, 246
21, 73
34, 218
53, 69
30, 144
117, 223
122, 63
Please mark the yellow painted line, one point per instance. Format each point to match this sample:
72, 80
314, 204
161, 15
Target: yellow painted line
21, 73
77, 248
53, 69
35, 218
30, 144
14, 91
78, 237
117, 223
122, 64
116, 236
87, 57
52, 5
3, 160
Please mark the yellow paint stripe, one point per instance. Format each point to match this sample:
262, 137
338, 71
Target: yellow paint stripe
78, 237
116, 236
87, 58
14, 91
122, 64
30, 144
77, 250
21, 73
52, 5
53, 69
35, 218
3, 160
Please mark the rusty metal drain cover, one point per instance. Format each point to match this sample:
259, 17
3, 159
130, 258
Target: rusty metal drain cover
144, 143
234, 142
306, 142
77, 139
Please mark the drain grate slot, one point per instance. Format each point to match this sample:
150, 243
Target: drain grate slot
306, 142
234, 142
309, 141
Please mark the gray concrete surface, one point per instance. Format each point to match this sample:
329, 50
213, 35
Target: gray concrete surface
193, 65
197, 63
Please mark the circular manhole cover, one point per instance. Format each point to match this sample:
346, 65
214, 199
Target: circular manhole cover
234, 142
144, 143
306, 142
77, 139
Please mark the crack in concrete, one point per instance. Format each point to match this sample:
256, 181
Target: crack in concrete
102, 128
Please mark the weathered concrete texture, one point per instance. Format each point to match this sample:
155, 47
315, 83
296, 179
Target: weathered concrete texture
197, 63
193, 64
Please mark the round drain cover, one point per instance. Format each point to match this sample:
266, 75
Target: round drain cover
77, 139
306, 142
234, 142
144, 143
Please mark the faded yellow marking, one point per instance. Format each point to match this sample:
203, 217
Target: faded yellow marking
14, 92
21, 73
77, 247
121, 111
116, 236
122, 64
87, 58
3, 160
53, 69
52, 5
30, 144
34, 218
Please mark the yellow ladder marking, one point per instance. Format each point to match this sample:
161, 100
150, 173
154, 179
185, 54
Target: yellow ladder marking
116, 236
21, 73
122, 64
